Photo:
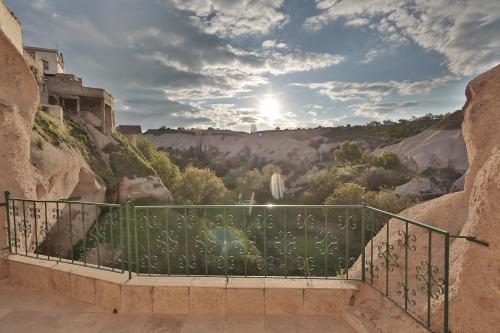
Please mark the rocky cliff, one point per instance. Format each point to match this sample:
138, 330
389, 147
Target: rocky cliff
474, 268
18, 102
45, 157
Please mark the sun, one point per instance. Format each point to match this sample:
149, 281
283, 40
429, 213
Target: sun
269, 107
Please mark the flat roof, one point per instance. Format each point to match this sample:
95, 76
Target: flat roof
129, 129
33, 48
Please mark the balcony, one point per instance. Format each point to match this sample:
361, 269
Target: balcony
292, 260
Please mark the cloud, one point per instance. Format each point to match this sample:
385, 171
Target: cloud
371, 55
347, 91
40, 4
380, 110
357, 22
271, 44
465, 32
234, 71
229, 18
312, 113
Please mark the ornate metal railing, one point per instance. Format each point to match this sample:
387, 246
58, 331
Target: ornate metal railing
241, 240
406, 261
82, 233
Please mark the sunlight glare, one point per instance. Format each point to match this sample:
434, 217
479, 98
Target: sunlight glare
269, 108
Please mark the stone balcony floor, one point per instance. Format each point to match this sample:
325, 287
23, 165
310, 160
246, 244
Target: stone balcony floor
26, 310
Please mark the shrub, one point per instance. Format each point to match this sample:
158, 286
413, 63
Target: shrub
349, 153
386, 159
126, 161
385, 199
167, 171
389, 201
320, 185
40, 143
375, 178
251, 182
346, 194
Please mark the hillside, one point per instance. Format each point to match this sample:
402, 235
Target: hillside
420, 143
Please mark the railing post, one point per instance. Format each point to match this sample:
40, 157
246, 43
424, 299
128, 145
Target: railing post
7, 213
363, 228
446, 280
129, 243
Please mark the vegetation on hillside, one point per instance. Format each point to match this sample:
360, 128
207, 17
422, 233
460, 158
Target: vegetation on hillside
73, 133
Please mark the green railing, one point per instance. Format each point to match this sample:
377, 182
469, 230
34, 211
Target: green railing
406, 261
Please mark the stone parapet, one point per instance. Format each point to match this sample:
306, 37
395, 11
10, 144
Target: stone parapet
183, 295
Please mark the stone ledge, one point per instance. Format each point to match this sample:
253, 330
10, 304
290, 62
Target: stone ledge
181, 294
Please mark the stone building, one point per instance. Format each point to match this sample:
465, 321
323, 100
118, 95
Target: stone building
52, 62
95, 105
65, 94
131, 132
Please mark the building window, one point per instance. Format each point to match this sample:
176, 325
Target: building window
45, 65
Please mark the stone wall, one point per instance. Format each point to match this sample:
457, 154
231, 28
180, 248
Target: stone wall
183, 295
11, 27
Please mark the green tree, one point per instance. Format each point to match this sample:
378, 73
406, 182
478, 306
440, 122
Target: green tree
251, 182
385, 199
349, 153
200, 187
387, 159
168, 172
320, 185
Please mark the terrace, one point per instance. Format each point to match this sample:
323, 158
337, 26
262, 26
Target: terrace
230, 260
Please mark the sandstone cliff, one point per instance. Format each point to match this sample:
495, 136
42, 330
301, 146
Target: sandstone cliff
433, 148
18, 102
47, 158
474, 269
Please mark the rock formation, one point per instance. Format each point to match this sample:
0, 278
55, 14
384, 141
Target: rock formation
433, 148
474, 269
45, 158
18, 102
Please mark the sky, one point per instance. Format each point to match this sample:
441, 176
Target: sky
273, 63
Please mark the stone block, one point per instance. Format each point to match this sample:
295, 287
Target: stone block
207, 300
83, 288
282, 301
136, 299
325, 301
107, 295
29, 276
171, 300
60, 282
245, 301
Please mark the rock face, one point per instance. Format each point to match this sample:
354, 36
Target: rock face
475, 298
18, 102
421, 187
431, 183
432, 149
60, 170
263, 147
474, 269
140, 187
48, 168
